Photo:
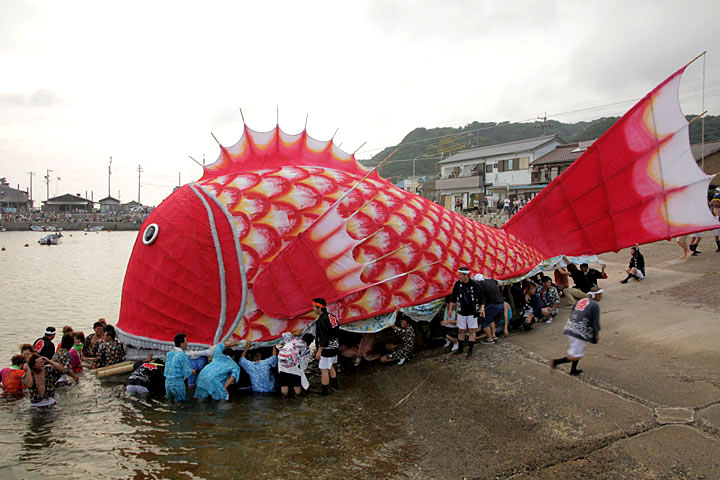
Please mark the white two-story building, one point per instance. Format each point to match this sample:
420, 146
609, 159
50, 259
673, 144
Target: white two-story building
493, 173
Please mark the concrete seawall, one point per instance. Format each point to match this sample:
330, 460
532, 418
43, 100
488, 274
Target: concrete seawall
73, 226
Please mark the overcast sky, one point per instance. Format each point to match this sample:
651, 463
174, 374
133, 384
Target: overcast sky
146, 82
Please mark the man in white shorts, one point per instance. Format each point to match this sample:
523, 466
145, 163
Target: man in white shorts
582, 326
327, 328
467, 297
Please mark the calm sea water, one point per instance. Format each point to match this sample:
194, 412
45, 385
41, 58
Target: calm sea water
97, 431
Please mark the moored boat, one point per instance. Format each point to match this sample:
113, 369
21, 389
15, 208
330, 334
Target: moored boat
50, 239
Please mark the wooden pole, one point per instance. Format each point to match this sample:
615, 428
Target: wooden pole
699, 116
691, 61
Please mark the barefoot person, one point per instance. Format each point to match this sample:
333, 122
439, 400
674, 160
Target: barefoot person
682, 242
582, 326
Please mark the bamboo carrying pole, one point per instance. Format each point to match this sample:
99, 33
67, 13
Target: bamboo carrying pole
110, 367
116, 371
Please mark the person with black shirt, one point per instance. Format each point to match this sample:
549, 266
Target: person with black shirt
582, 326
147, 377
592, 274
636, 268
327, 329
582, 284
493, 303
466, 296
44, 346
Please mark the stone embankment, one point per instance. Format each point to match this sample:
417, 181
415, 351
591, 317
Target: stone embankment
72, 226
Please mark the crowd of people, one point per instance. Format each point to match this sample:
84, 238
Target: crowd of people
39, 218
478, 309
40, 367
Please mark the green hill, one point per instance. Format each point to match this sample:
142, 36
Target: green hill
430, 145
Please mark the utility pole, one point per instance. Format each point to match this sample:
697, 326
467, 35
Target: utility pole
47, 182
544, 125
139, 170
31, 175
109, 172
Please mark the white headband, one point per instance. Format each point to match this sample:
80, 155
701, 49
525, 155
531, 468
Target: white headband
464, 270
592, 294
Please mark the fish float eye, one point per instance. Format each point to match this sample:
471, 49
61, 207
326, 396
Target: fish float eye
150, 233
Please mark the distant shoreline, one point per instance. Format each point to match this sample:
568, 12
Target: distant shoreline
72, 226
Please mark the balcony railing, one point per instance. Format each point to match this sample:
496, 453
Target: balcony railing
461, 182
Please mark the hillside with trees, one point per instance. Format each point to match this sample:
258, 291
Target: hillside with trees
429, 146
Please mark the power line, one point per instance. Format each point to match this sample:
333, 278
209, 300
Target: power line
559, 114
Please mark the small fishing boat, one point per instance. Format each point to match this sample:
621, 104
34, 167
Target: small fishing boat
50, 239
45, 228
96, 228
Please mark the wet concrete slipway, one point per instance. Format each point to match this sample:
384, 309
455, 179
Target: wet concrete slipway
646, 407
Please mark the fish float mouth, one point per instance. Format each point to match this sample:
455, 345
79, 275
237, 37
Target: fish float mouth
203, 256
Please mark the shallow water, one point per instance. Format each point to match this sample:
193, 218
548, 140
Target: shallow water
97, 431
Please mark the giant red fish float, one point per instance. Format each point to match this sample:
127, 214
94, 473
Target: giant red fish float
280, 219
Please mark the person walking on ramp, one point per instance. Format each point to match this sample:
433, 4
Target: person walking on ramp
468, 299
582, 326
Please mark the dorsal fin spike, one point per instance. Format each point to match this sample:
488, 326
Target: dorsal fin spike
363, 144
255, 150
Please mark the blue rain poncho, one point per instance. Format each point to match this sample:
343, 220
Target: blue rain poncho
177, 370
212, 378
260, 373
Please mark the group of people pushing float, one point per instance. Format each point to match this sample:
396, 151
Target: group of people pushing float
39, 367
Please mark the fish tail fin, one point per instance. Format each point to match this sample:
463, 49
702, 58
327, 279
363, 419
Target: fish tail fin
638, 183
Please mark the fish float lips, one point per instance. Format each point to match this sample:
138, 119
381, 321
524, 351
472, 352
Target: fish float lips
178, 283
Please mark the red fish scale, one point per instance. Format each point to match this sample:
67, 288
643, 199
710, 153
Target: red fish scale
259, 200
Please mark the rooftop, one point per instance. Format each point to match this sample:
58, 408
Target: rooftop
698, 150
502, 149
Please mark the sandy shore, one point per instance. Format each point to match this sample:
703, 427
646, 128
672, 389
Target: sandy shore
646, 407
